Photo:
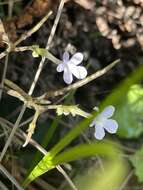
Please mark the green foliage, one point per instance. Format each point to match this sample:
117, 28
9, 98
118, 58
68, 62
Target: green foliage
135, 98
129, 113
109, 179
120, 97
137, 161
50, 161
118, 93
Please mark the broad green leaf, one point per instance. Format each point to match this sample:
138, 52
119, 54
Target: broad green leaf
129, 113
137, 161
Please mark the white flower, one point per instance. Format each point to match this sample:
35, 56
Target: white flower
70, 67
103, 123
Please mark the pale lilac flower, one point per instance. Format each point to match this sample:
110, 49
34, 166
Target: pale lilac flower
70, 67
102, 123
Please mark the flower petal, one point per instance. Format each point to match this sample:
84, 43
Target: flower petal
68, 78
60, 67
99, 132
111, 126
76, 59
66, 57
82, 72
79, 72
107, 112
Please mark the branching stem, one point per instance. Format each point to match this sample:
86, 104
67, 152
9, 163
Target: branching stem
80, 83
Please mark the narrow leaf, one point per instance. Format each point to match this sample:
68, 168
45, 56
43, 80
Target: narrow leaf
80, 151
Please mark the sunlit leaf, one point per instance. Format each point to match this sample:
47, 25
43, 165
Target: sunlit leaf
137, 161
135, 98
49, 161
129, 113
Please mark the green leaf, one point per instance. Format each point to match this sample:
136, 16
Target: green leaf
85, 150
49, 162
43, 166
135, 98
137, 161
119, 99
129, 113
